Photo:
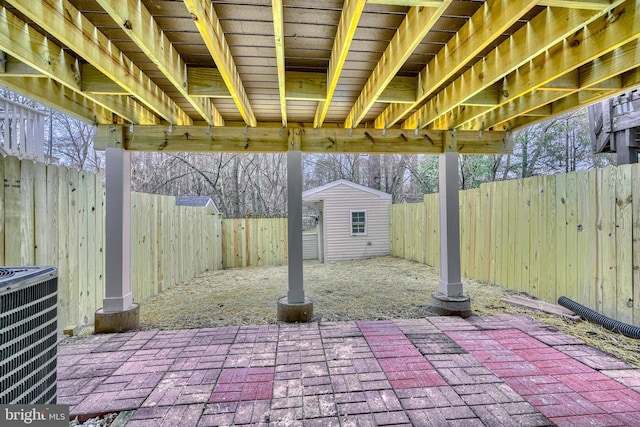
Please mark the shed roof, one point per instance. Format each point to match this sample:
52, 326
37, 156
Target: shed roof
381, 194
197, 201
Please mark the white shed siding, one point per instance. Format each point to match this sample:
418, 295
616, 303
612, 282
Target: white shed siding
339, 201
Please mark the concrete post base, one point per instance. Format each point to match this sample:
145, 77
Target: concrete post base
450, 306
120, 321
292, 313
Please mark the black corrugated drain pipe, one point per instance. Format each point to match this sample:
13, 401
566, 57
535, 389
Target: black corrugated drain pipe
592, 316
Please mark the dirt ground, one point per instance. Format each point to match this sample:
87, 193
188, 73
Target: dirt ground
372, 289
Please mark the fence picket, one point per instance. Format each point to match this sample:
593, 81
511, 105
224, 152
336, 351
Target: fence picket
624, 245
84, 294
513, 255
607, 242
27, 214
62, 263
73, 248
635, 196
548, 281
41, 223
483, 249
495, 230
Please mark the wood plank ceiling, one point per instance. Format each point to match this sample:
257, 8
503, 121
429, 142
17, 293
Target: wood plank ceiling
331, 75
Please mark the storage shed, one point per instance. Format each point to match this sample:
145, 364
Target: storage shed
353, 220
199, 202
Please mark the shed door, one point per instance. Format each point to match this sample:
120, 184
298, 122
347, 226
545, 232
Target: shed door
310, 246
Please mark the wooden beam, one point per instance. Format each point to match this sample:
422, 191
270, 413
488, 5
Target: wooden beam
63, 21
351, 12
546, 29
487, 97
544, 111
583, 47
59, 97
93, 81
206, 82
412, 30
498, 117
569, 82
299, 85
310, 86
207, 22
425, 3
273, 140
618, 61
12, 67
578, 100
35, 50
448, 121
610, 67
32, 48
623, 121
578, 4
596, 39
278, 32
306, 86
630, 79
138, 23
613, 83
490, 21
401, 89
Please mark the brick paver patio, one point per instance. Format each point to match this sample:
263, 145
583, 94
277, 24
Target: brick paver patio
441, 371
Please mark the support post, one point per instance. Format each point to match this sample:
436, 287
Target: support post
450, 299
295, 294
118, 312
450, 275
295, 307
626, 147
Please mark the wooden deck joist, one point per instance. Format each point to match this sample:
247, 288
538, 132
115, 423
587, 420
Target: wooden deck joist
138, 23
65, 22
393, 65
207, 22
565, 58
547, 29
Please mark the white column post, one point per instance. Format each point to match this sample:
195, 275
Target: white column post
118, 295
295, 294
450, 275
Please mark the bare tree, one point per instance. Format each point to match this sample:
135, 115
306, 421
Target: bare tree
73, 143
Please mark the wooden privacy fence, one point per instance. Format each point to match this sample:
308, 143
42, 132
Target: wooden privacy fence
254, 242
574, 235
50, 215
170, 244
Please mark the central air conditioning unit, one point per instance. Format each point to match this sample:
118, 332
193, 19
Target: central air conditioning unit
28, 335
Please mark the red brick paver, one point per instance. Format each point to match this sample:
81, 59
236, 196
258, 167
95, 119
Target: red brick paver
399, 359
440, 371
564, 389
241, 384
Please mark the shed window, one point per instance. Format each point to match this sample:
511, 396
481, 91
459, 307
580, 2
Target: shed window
358, 223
